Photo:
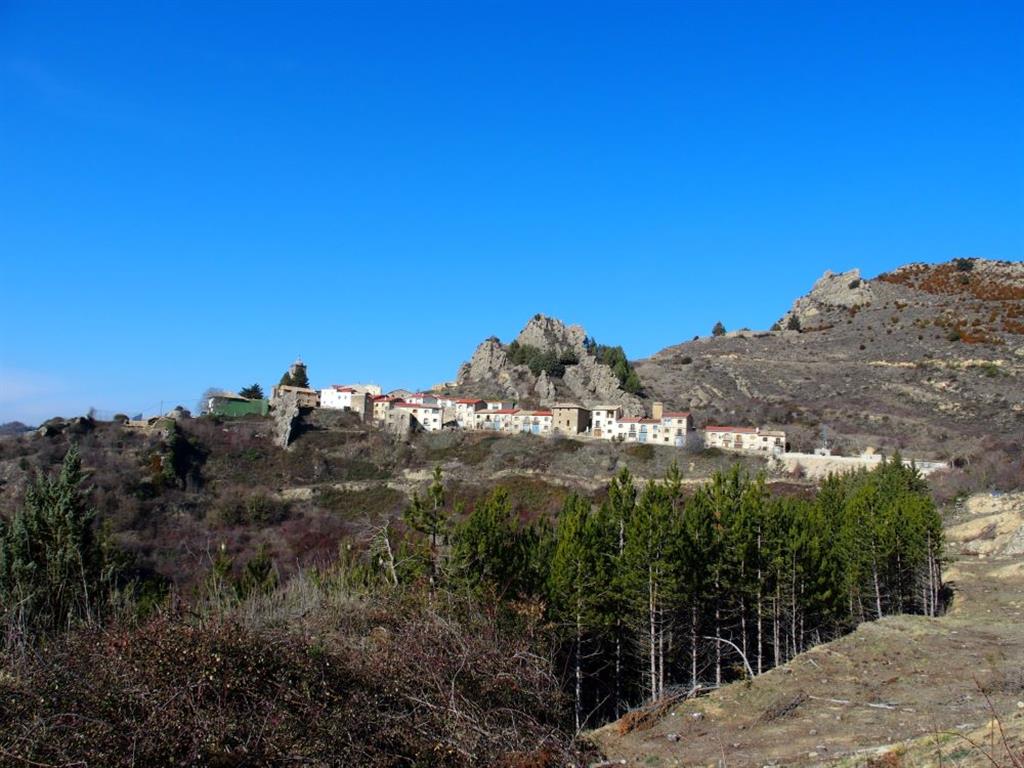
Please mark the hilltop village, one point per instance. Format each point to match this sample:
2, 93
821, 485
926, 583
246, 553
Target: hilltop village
402, 412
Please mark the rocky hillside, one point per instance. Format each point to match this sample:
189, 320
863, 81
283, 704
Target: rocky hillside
929, 358
547, 362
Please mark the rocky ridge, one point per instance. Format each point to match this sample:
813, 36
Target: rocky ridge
491, 372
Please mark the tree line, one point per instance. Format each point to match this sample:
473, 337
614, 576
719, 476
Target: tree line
653, 589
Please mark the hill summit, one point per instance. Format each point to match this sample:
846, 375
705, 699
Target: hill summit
549, 362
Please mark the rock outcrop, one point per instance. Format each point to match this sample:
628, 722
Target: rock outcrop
285, 413
832, 290
491, 372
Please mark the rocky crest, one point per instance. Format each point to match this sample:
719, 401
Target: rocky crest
490, 372
832, 289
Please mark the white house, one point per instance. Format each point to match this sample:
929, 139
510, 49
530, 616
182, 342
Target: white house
499, 405
533, 422
497, 420
465, 410
425, 416
602, 420
638, 430
745, 439
421, 398
347, 399
338, 397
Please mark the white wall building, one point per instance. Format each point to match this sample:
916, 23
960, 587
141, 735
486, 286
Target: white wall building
421, 398
745, 439
425, 416
496, 420
533, 422
602, 420
499, 405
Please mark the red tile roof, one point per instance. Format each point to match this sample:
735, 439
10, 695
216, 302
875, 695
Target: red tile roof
503, 411
388, 398
468, 401
432, 406
744, 430
340, 388
635, 420
541, 413
675, 414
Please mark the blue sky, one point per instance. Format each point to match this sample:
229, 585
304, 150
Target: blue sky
191, 194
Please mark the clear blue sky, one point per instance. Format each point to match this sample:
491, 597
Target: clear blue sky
193, 193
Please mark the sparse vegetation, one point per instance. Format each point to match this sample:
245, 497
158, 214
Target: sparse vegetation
551, 362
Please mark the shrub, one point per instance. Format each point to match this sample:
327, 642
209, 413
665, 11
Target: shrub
963, 265
538, 360
643, 452
854, 284
56, 568
718, 329
685, 360
462, 689
257, 508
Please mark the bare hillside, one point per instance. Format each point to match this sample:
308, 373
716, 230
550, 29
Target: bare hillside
927, 357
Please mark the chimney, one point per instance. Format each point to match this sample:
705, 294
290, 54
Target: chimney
657, 409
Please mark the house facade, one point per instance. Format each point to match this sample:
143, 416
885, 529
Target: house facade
496, 420
425, 416
570, 418
533, 422
745, 439
306, 398
602, 420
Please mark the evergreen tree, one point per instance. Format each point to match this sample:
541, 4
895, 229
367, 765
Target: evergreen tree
252, 392
615, 514
259, 576
56, 569
578, 583
718, 329
487, 548
650, 577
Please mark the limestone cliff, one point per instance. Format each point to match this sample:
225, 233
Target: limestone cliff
491, 372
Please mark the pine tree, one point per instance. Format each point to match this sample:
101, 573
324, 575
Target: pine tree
578, 583
487, 549
259, 576
615, 514
650, 576
56, 569
252, 392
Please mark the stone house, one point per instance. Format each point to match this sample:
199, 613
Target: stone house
306, 398
570, 418
382, 404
